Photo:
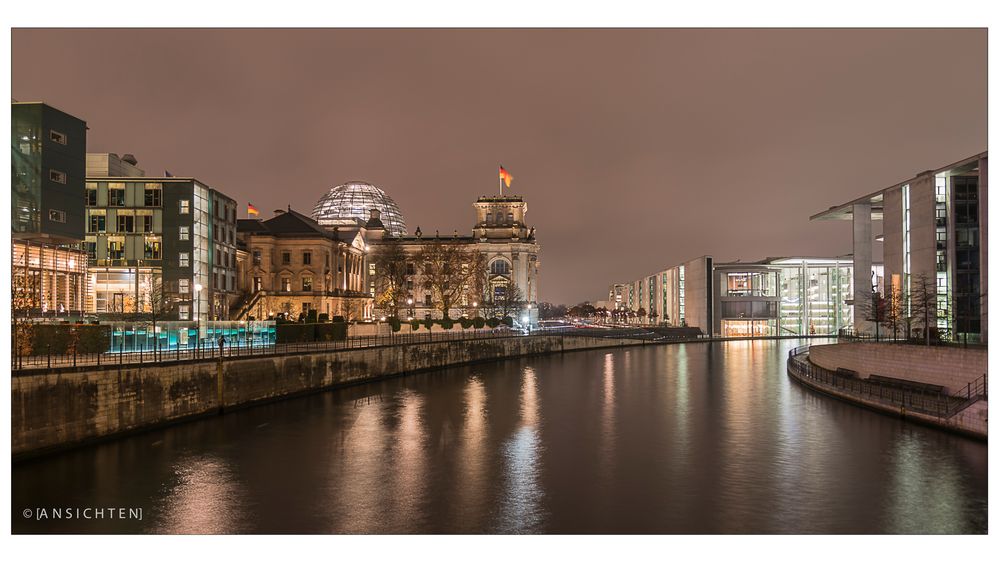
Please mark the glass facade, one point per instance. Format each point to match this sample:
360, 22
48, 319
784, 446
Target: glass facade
813, 295
346, 203
128, 337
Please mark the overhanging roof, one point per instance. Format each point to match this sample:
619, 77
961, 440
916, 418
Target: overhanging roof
876, 199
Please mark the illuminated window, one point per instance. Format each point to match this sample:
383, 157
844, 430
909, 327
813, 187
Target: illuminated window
56, 136
185, 233
185, 259
185, 206
306, 283
116, 195
286, 284
185, 286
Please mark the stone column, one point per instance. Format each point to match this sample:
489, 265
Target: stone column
862, 249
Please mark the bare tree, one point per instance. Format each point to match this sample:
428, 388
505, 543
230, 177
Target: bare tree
24, 299
923, 304
449, 272
390, 276
510, 301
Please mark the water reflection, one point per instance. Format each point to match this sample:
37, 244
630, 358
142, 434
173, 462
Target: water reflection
520, 506
205, 499
691, 438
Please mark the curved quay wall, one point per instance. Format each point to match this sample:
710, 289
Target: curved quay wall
971, 421
62, 408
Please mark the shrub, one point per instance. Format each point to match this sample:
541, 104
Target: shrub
92, 338
50, 338
493, 322
395, 323
312, 317
339, 319
414, 325
446, 323
295, 333
324, 318
508, 321
479, 322
466, 323
429, 323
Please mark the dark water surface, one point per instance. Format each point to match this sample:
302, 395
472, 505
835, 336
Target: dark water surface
690, 438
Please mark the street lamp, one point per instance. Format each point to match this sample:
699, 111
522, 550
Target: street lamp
409, 301
197, 315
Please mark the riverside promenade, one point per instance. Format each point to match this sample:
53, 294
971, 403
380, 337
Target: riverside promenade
901, 380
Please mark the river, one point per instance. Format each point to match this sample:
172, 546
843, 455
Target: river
685, 438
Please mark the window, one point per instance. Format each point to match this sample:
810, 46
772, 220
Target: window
307, 258
185, 286
153, 195
57, 216
306, 283
116, 195
91, 196
427, 300
285, 258
409, 286
500, 267
286, 284
410, 268
57, 176
184, 312
116, 248
97, 223
256, 257
185, 259
56, 136
185, 206
126, 223
489, 218
146, 223
152, 249
185, 233
258, 284
509, 218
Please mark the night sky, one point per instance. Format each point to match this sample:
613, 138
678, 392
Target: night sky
635, 149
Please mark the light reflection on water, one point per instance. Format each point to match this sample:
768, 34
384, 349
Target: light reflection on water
695, 438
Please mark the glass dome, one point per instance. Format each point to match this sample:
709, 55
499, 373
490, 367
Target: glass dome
354, 200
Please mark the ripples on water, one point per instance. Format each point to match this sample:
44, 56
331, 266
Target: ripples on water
695, 438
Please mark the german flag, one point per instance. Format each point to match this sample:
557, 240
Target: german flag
251, 210
505, 176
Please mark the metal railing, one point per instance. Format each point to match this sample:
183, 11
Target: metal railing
921, 400
206, 349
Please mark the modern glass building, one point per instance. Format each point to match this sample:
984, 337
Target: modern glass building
48, 270
159, 245
350, 204
935, 245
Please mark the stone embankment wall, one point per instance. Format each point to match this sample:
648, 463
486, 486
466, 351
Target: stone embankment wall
66, 407
951, 367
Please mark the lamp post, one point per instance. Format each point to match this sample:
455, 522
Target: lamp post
197, 317
409, 301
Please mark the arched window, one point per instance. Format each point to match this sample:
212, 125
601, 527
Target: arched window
500, 267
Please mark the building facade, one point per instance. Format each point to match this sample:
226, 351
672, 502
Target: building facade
294, 265
771, 297
48, 150
934, 234
158, 245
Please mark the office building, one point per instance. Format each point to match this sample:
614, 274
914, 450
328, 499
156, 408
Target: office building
934, 234
48, 148
158, 245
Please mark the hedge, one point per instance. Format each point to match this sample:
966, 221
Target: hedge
466, 323
395, 323
61, 339
508, 320
304, 333
493, 322
479, 322
414, 325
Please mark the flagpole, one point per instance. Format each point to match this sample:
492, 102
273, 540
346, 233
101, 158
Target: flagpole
501, 183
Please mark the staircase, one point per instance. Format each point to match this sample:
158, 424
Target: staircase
246, 305
976, 390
